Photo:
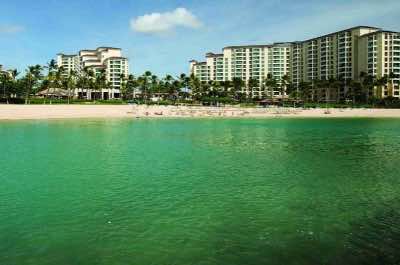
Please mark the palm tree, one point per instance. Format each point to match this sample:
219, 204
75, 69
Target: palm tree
390, 78
141, 81
226, 88
83, 81
184, 84
59, 78
322, 89
86, 81
251, 84
91, 82
184, 81
33, 75
285, 82
380, 83
355, 90
4, 79
367, 85
147, 78
291, 91
215, 91
219, 89
123, 82
131, 86
270, 84
8, 81
80, 84
331, 88
316, 86
305, 90
154, 85
168, 86
144, 81
100, 82
14, 73
237, 84
205, 89
212, 89
195, 87
71, 84
175, 89
50, 80
16, 87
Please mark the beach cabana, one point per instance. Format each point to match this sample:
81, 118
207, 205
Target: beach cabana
53, 93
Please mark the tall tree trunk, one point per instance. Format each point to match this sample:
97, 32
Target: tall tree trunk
27, 94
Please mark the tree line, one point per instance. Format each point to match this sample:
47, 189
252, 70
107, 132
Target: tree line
143, 88
366, 90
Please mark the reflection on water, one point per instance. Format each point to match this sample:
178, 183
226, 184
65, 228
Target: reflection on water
375, 239
279, 191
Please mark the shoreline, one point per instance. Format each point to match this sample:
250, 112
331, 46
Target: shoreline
49, 112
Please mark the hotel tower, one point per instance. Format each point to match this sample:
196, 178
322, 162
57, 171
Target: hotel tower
107, 59
342, 55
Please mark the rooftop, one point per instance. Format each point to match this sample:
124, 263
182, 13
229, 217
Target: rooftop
108, 48
341, 31
109, 58
87, 51
211, 54
67, 55
380, 31
247, 46
259, 46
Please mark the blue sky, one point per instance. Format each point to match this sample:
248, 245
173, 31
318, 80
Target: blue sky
162, 36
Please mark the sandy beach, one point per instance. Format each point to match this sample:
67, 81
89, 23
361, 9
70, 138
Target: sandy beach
33, 112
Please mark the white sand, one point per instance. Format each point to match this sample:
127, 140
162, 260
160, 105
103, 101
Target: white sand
20, 112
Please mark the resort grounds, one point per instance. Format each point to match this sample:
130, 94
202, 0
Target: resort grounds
40, 112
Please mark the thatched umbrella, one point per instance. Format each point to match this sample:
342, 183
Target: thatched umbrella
53, 92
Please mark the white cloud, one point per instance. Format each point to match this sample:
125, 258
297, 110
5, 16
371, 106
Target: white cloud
159, 23
10, 28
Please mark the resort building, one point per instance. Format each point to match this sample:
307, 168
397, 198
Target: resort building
256, 62
380, 56
215, 62
200, 70
334, 55
246, 62
103, 60
6, 72
296, 63
341, 55
70, 63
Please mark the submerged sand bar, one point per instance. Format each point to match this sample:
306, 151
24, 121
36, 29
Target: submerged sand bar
33, 112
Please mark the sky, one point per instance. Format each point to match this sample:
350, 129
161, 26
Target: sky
162, 36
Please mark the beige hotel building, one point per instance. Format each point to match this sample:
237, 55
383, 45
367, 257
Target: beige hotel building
380, 56
245, 62
5, 72
108, 59
343, 54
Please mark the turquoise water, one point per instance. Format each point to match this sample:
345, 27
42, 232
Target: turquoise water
274, 191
